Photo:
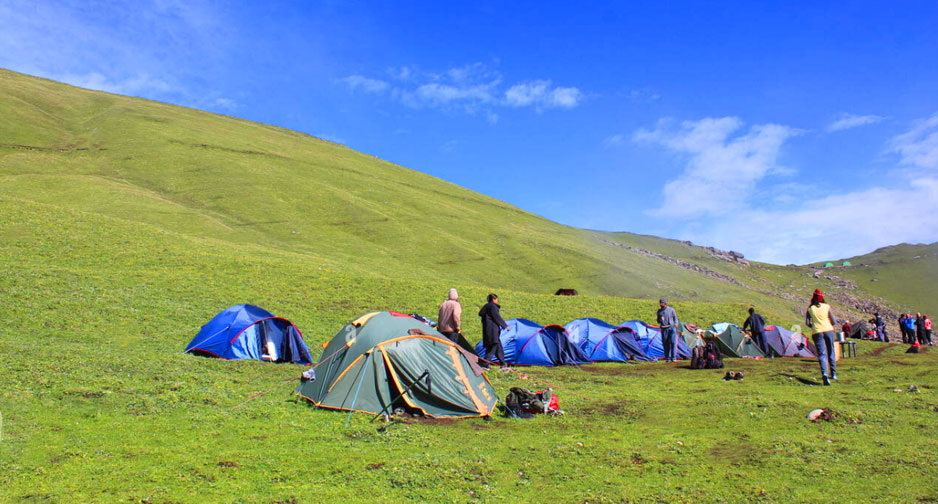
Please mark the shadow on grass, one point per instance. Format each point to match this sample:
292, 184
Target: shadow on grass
803, 380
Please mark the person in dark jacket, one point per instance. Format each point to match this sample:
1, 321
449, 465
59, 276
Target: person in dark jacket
904, 328
492, 325
756, 325
920, 329
667, 320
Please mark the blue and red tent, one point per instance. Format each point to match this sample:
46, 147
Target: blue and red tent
649, 339
249, 332
605, 342
527, 343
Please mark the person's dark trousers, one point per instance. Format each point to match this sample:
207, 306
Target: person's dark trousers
759, 338
825, 353
494, 348
928, 336
667, 341
921, 337
452, 335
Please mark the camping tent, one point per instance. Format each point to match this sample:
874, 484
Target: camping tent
829, 265
528, 344
690, 336
373, 359
858, 330
733, 342
604, 342
785, 343
245, 332
649, 339
846, 263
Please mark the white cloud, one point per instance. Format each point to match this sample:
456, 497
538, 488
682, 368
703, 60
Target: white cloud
831, 227
848, 121
474, 89
541, 94
616, 140
368, 85
919, 146
794, 222
721, 169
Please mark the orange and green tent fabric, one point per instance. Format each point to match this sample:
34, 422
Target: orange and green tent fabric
371, 360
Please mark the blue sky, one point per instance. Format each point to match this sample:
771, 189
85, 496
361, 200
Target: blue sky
791, 132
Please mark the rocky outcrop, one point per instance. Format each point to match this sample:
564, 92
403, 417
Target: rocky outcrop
728, 256
681, 263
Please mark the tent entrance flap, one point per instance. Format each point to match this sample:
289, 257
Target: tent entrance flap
446, 391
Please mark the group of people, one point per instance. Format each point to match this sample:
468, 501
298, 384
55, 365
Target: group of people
915, 329
449, 323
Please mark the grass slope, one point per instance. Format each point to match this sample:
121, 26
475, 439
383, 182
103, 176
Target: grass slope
101, 406
214, 176
905, 274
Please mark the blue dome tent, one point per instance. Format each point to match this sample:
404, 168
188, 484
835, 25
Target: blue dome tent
528, 344
649, 339
250, 332
605, 342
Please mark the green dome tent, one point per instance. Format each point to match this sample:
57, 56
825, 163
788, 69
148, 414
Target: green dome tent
846, 263
368, 363
829, 265
733, 342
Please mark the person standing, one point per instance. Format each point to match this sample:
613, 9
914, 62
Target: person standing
667, 320
756, 325
903, 329
492, 325
881, 329
919, 328
448, 321
820, 318
910, 328
927, 329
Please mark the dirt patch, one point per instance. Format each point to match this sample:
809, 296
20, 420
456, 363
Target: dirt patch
228, 463
880, 350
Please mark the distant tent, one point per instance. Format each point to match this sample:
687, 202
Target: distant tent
829, 265
528, 344
858, 330
649, 339
372, 360
604, 342
250, 332
733, 342
846, 263
784, 343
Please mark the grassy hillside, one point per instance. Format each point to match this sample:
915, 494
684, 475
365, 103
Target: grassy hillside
126, 224
211, 176
905, 274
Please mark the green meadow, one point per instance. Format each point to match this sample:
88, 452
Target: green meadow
126, 224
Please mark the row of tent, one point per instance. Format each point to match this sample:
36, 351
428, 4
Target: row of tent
387, 360
586, 340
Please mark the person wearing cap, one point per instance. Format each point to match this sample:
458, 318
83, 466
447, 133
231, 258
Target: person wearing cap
820, 318
756, 324
448, 321
667, 320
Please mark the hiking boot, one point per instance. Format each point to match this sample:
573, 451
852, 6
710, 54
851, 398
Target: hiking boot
834, 376
827, 380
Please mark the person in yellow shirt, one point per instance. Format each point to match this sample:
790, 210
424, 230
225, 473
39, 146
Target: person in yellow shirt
820, 318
